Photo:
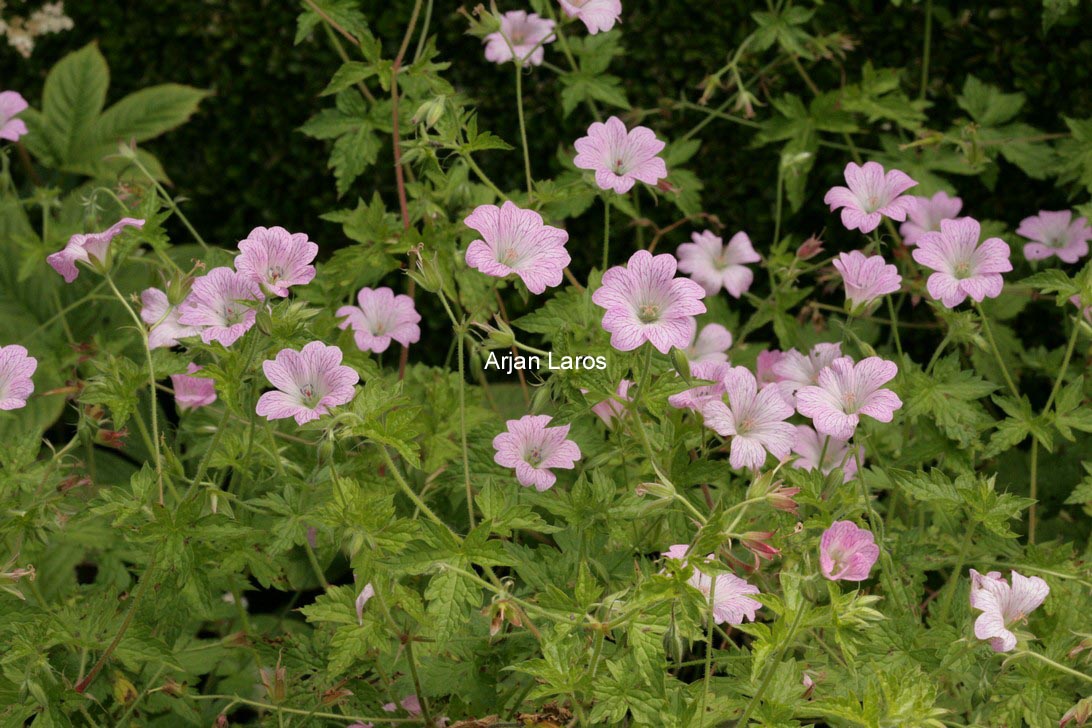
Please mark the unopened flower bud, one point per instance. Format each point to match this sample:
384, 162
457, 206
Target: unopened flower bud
427, 273
429, 112
656, 490
758, 543
682, 364
1078, 715
264, 320
810, 248
500, 336
275, 683
784, 499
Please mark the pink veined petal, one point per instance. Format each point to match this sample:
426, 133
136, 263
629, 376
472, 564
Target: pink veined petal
276, 405
737, 280
746, 452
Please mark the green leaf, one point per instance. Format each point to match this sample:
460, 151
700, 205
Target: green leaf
148, 113
74, 95
349, 74
986, 104
451, 599
580, 86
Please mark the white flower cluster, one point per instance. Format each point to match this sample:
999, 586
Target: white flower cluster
21, 32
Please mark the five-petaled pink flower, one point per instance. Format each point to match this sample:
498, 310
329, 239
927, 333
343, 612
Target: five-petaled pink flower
845, 392
715, 265
644, 301
156, 311
809, 448
308, 383
766, 367
871, 195
727, 592
611, 409
276, 258
192, 392
379, 317
696, 397
218, 305
796, 370
923, 215
16, 370
12, 104
89, 248
1003, 606
963, 267
521, 37
712, 344
517, 241
866, 278
847, 552
753, 418
620, 158
1055, 233
532, 449
597, 15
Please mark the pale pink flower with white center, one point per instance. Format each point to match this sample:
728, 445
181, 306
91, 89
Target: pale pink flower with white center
727, 592
532, 449
866, 278
620, 158
711, 344
191, 392
521, 36
379, 317
871, 195
754, 419
88, 248
845, 392
517, 241
923, 215
12, 104
16, 370
156, 311
277, 259
218, 305
308, 383
847, 552
963, 267
644, 301
696, 397
798, 370
809, 448
611, 409
1003, 606
361, 599
766, 367
597, 15
715, 265
1055, 233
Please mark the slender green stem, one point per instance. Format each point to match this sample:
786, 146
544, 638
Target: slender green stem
563, 42
482, 176
425, 712
936, 354
151, 383
460, 333
894, 325
771, 666
996, 351
170, 203
236, 700
421, 505
779, 202
1056, 665
1033, 491
1064, 368
925, 51
315, 565
523, 126
606, 233
957, 570
205, 459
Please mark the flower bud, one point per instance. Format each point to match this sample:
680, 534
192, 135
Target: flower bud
682, 364
784, 499
810, 248
264, 320
275, 683
430, 111
656, 490
1079, 714
428, 274
758, 543
499, 337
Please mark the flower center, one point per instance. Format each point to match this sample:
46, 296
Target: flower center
872, 204
850, 402
518, 38
961, 270
309, 394
274, 273
379, 328
533, 456
619, 166
233, 314
508, 256
648, 313
1058, 242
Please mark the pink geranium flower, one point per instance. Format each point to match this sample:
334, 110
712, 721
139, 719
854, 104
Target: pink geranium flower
847, 552
532, 449
517, 241
715, 265
217, 305
696, 397
191, 392
11, 105
620, 158
89, 249
308, 383
845, 392
597, 15
866, 278
156, 311
766, 367
796, 370
871, 195
16, 370
361, 599
611, 409
522, 37
277, 259
809, 449
923, 215
379, 317
1003, 606
963, 267
727, 592
755, 420
711, 344
644, 301
411, 704
1053, 233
